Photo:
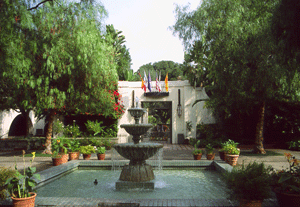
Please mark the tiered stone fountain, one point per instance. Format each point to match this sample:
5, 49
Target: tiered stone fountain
137, 174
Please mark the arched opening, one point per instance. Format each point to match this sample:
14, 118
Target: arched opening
18, 126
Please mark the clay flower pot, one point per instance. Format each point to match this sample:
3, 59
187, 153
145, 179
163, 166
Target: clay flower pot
63, 158
232, 159
87, 156
197, 157
101, 156
26, 202
74, 155
210, 156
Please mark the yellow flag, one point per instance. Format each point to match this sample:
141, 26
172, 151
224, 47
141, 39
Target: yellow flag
166, 82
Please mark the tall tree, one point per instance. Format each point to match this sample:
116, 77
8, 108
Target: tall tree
61, 58
121, 53
231, 52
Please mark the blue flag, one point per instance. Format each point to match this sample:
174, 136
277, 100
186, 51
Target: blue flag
149, 81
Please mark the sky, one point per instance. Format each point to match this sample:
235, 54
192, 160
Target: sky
144, 23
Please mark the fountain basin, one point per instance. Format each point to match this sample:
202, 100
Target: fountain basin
136, 129
137, 153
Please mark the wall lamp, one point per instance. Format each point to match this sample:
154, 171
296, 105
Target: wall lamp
179, 107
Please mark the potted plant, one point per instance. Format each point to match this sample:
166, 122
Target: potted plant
21, 186
197, 152
59, 151
101, 153
74, 145
250, 184
231, 152
286, 183
87, 151
209, 150
232, 155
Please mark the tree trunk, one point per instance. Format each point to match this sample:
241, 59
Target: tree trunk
259, 147
48, 149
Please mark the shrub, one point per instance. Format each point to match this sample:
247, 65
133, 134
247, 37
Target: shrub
5, 173
251, 182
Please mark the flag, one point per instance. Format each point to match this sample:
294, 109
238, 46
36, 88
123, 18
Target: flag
149, 81
166, 82
157, 83
145, 77
143, 83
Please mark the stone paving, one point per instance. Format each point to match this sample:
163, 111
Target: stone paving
171, 152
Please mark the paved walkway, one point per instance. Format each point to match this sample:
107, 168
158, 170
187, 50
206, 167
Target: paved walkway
170, 152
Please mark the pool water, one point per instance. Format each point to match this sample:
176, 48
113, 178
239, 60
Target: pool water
169, 184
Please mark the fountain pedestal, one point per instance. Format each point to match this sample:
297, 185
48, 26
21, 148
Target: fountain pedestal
137, 174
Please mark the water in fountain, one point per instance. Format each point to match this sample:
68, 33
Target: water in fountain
137, 173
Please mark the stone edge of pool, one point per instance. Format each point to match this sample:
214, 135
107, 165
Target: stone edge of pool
58, 171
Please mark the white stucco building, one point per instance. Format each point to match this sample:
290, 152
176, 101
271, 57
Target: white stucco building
188, 95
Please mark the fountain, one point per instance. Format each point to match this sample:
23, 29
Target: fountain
137, 174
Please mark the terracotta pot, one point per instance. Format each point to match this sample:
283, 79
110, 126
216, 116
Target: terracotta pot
87, 156
60, 160
222, 155
247, 203
232, 159
74, 155
210, 156
24, 202
286, 199
197, 157
101, 156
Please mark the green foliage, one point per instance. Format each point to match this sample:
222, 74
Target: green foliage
100, 150
73, 144
173, 69
59, 145
251, 182
58, 127
94, 127
152, 120
231, 52
87, 149
230, 147
294, 145
209, 149
55, 57
72, 131
288, 180
20, 185
196, 150
5, 173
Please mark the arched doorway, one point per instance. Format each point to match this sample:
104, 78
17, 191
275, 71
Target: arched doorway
18, 126
160, 115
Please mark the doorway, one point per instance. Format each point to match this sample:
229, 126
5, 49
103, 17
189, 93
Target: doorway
160, 115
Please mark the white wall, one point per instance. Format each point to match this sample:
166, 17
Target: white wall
196, 114
8, 116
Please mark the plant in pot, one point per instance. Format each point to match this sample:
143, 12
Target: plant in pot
197, 152
74, 152
250, 184
232, 155
21, 186
209, 150
87, 151
59, 151
286, 183
101, 153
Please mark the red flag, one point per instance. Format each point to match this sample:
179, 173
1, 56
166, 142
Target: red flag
143, 83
